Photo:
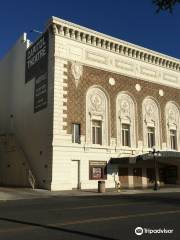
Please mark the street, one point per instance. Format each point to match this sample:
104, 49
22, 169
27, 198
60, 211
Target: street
106, 217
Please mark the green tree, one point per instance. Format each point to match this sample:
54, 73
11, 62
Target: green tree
165, 5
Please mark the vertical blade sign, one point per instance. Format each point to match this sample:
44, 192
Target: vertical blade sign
37, 70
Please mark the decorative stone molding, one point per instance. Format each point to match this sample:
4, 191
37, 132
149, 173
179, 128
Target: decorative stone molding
81, 34
125, 113
96, 103
148, 72
150, 119
172, 116
150, 108
161, 92
112, 81
96, 109
138, 87
77, 71
100, 58
59, 97
170, 78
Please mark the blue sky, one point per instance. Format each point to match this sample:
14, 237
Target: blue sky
131, 20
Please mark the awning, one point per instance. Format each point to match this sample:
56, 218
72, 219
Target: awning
123, 160
162, 156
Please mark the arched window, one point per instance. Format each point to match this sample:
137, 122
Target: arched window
151, 133
172, 117
125, 119
96, 117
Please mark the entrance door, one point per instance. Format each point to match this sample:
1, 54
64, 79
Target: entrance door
150, 176
162, 175
123, 177
137, 177
75, 173
171, 174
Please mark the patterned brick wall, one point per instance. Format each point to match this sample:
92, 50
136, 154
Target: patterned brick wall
76, 107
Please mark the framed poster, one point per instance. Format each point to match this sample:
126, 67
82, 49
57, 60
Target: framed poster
97, 170
96, 173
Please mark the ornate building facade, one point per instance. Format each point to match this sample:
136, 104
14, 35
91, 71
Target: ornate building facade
109, 104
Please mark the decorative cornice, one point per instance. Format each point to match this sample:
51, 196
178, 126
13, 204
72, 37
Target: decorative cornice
105, 42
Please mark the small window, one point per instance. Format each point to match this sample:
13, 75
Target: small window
173, 139
96, 132
151, 136
126, 135
97, 170
76, 133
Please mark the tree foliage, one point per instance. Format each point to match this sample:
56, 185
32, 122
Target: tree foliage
165, 5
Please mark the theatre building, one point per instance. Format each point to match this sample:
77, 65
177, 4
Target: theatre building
78, 106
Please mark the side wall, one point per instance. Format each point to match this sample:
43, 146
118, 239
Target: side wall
31, 130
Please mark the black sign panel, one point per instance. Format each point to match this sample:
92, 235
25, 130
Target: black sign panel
37, 58
40, 92
37, 69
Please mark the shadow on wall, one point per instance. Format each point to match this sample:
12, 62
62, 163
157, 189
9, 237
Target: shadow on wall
14, 168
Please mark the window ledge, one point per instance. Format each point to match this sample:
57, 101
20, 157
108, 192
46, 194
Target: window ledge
96, 146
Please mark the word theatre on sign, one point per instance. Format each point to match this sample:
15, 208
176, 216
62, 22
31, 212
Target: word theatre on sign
37, 58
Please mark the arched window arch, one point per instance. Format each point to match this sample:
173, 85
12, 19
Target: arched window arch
96, 116
125, 119
151, 130
172, 116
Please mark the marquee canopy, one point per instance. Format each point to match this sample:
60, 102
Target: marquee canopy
161, 156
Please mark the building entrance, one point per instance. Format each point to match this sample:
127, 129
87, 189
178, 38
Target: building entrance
150, 176
137, 177
168, 174
171, 174
75, 173
123, 177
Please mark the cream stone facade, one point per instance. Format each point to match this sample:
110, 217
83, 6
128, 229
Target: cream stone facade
107, 100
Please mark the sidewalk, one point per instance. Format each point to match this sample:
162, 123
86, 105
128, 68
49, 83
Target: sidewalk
7, 194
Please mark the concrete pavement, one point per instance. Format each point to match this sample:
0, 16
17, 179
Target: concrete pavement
7, 194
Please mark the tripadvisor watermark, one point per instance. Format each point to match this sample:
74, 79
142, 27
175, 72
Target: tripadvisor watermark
139, 231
